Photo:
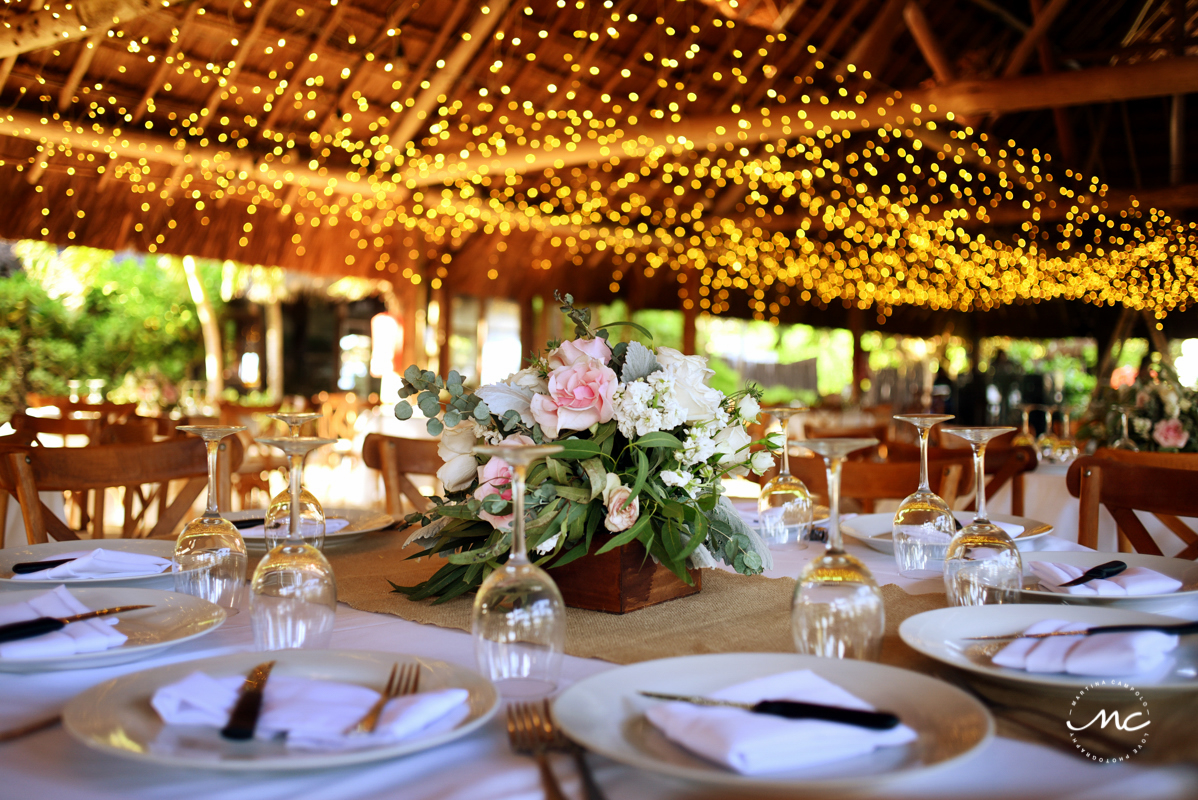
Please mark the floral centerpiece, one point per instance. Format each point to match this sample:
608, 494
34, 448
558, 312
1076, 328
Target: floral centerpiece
645, 442
1162, 415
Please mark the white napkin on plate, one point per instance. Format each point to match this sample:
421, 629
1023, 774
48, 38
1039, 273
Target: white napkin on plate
1099, 655
753, 744
330, 526
1129, 583
98, 564
86, 636
312, 713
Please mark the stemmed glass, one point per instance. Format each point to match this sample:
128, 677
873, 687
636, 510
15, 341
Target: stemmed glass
1124, 442
210, 558
982, 564
519, 619
294, 594
784, 506
1065, 448
923, 523
1025, 437
838, 608
1046, 441
279, 510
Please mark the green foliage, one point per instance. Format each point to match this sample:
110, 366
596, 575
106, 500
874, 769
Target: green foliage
38, 351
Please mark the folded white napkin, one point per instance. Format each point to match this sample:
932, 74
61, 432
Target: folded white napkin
1099, 655
312, 713
99, 564
330, 526
753, 744
1131, 582
86, 636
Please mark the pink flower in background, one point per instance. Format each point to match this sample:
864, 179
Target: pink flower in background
1170, 433
615, 495
579, 396
576, 350
495, 477
1123, 376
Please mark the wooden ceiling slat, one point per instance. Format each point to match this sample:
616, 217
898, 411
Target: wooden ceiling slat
166, 62
212, 104
302, 67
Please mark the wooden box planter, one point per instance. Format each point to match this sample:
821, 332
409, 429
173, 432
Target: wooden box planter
620, 580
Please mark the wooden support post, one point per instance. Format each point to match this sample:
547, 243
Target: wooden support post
690, 316
274, 351
860, 357
528, 329
1106, 363
444, 328
1160, 342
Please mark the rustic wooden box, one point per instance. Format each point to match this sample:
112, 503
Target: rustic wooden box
620, 580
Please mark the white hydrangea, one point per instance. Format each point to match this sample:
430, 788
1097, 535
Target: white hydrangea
647, 405
697, 447
1142, 425
682, 480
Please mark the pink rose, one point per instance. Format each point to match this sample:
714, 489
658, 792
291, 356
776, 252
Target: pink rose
1170, 433
495, 477
579, 396
576, 350
615, 495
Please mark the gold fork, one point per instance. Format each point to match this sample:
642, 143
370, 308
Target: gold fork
555, 739
401, 682
526, 738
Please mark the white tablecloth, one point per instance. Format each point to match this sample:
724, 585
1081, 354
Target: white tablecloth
53, 766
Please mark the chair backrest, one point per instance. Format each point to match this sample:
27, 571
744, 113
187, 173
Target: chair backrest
111, 412
340, 413
870, 481
135, 430
1004, 465
26, 471
398, 458
1124, 487
57, 426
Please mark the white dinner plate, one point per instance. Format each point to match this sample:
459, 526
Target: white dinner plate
163, 548
115, 717
604, 713
941, 634
174, 618
1182, 603
877, 530
361, 522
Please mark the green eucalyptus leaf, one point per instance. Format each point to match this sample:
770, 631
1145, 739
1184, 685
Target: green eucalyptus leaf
434, 427
403, 410
452, 418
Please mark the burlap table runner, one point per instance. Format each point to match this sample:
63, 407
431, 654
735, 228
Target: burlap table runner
740, 613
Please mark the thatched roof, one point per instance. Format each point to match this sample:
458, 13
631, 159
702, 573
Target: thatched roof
747, 157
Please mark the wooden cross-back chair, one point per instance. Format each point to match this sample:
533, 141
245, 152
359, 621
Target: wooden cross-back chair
869, 481
398, 458
110, 412
88, 427
24, 471
1003, 465
1162, 484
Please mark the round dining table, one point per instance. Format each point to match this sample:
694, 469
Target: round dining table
50, 764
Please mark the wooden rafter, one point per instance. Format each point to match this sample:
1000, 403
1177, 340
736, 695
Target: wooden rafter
1027, 44
872, 49
84, 60
295, 79
212, 104
166, 62
929, 45
833, 38
797, 48
45, 27
586, 61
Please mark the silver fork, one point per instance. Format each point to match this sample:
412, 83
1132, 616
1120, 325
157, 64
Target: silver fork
526, 739
555, 739
401, 682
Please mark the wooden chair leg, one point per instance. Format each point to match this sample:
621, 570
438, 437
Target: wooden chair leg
1089, 500
1017, 495
3, 516
31, 505
98, 514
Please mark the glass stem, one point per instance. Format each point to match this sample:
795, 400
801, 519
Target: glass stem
834, 539
296, 477
519, 548
924, 485
785, 445
1123, 420
979, 477
213, 507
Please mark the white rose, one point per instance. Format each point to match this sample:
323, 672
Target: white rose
762, 462
731, 444
695, 397
748, 408
1170, 400
456, 449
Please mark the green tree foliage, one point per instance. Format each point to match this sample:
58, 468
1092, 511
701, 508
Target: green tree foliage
38, 351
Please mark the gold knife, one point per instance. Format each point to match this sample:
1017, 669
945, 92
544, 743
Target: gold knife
36, 627
244, 718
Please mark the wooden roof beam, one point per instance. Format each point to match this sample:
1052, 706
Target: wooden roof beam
167, 61
7, 64
82, 62
34, 30
797, 48
929, 45
212, 105
1027, 45
300, 71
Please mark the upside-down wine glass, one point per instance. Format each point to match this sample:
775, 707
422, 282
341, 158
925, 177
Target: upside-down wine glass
923, 523
784, 507
982, 565
837, 608
1065, 448
293, 592
1124, 442
519, 618
278, 512
210, 558
1047, 441
1026, 437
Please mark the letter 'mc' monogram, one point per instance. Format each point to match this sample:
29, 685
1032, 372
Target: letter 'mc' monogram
1124, 725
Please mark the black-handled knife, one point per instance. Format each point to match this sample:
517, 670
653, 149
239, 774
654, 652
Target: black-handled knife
1108, 570
1179, 629
251, 522
27, 567
244, 718
36, 627
793, 709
